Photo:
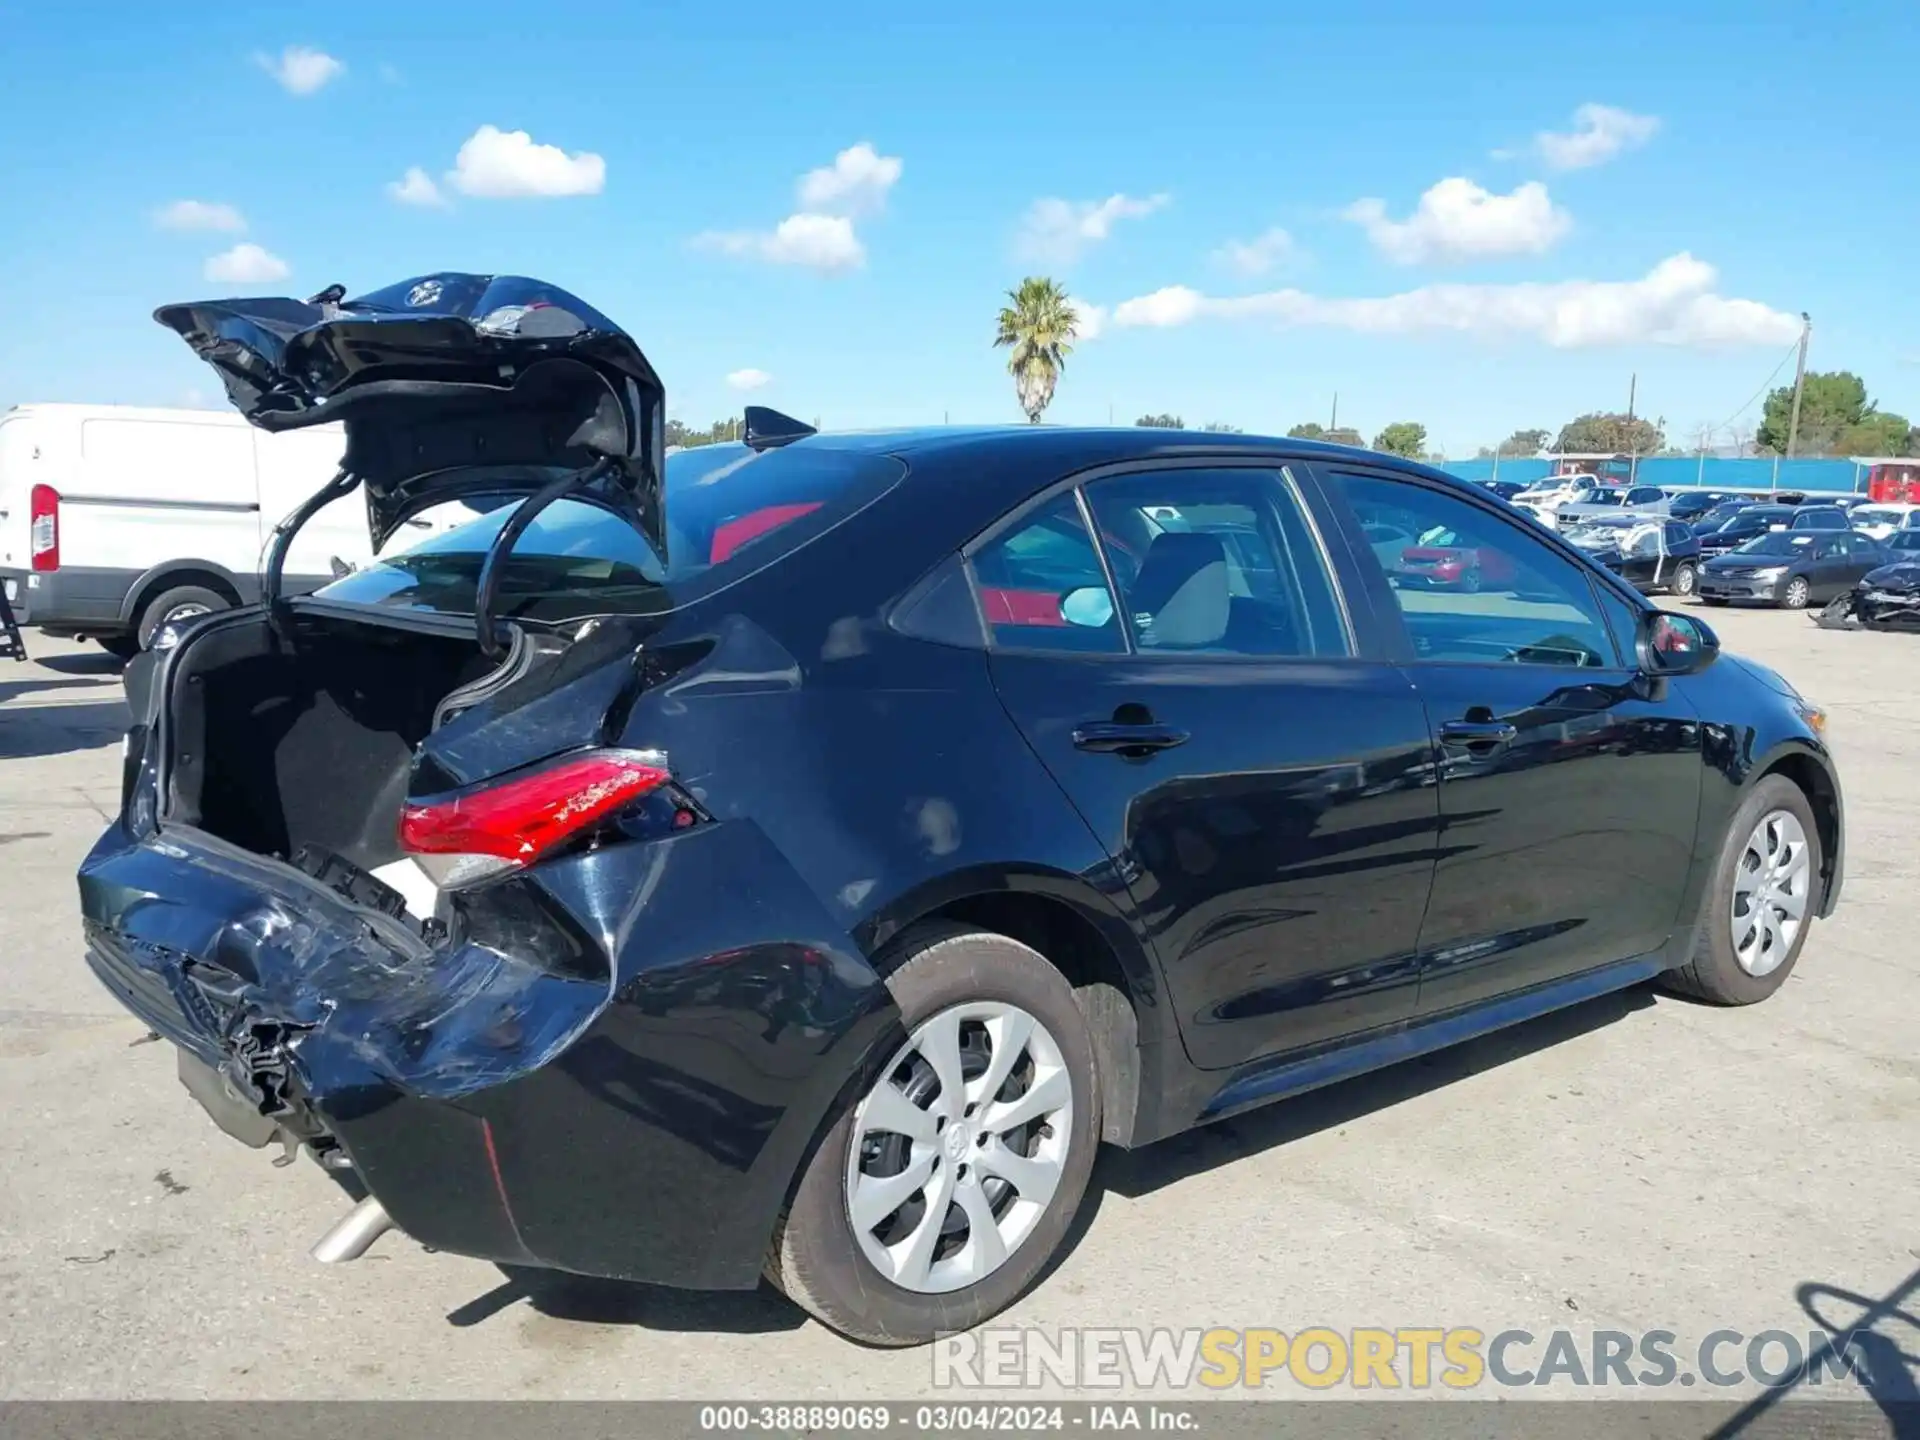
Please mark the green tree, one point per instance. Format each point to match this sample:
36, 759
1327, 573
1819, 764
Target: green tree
1836, 418
1345, 435
1038, 330
1522, 443
1307, 430
1220, 427
1611, 433
1403, 437
716, 433
1162, 422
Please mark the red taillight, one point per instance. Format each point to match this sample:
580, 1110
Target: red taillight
516, 820
43, 510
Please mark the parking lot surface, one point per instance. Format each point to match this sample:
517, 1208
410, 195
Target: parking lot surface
1637, 1163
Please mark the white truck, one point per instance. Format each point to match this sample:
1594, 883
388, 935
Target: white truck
116, 519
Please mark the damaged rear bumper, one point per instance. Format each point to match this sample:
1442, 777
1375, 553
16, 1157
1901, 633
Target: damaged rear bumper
643, 1123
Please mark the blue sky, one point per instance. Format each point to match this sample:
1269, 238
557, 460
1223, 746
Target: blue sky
1436, 258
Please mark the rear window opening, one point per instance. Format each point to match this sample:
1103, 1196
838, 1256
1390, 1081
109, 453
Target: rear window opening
731, 511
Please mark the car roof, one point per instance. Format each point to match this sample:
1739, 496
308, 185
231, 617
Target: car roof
1076, 446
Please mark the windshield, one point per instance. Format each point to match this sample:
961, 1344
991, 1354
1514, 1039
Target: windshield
1905, 540
730, 512
1877, 515
1778, 542
1750, 520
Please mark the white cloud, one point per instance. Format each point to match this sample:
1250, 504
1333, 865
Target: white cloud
818, 242
1599, 133
416, 187
246, 264
199, 215
498, 164
1457, 220
1090, 319
855, 184
820, 236
301, 69
749, 379
1258, 255
1675, 303
1058, 232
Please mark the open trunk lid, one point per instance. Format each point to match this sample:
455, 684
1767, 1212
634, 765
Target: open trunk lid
449, 386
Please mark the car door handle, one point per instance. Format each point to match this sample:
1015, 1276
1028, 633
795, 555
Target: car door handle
1106, 737
1477, 733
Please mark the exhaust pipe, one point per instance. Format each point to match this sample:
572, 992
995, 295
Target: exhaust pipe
353, 1235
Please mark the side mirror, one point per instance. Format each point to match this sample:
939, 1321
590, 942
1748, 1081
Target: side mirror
1090, 606
1670, 644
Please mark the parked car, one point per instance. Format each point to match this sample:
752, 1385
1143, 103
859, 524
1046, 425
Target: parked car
1649, 552
1887, 598
1694, 505
800, 855
1441, 558
115, 519
1789, 568
1725, 510
1881, 522
1505, 489
1752, 520
1646, 499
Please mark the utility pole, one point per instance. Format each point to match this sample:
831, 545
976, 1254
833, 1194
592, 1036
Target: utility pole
1633, 390
1799, 382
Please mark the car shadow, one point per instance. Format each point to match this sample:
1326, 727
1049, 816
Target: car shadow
12, 689
34, 731
83, 662
587, 1301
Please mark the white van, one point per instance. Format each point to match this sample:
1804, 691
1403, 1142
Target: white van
115, 519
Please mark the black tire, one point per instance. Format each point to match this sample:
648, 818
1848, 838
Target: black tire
1712, 973
121, 647
168, 603
1798, 592
1686, 579
815, 1258
1470, 582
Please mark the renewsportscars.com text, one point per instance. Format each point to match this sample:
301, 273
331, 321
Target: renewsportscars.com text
1375, 1359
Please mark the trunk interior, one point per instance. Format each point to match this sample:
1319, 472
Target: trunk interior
280, 744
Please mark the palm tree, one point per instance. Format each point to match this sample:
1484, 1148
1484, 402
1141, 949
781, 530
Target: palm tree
1039, 326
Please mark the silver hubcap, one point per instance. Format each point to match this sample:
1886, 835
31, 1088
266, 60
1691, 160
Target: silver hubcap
1796, 593
1771, 884
1683, 582
959, 1146
183, 612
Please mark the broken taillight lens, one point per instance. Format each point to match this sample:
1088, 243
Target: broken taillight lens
507, 823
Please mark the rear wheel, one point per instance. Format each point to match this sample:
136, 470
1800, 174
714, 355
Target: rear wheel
1761, 902
1686, 579
122, 647
952, 1173
183, 602
1797, 593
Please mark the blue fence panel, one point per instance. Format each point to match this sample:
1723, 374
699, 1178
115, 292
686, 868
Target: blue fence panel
1712, 472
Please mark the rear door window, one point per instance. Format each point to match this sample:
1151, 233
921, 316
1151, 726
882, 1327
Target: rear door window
1222, 562
1042, 586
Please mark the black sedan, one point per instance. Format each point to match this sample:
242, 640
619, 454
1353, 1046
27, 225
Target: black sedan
1790, 568
801, 855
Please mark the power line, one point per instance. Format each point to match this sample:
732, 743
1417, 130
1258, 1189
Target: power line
1792, 350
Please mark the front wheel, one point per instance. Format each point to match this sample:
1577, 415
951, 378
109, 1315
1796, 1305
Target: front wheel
1686, 579
954, 1169
1797, 593
1760, 902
